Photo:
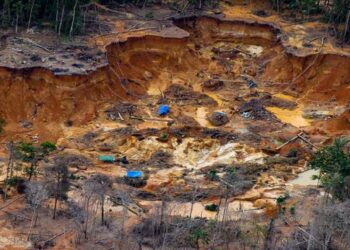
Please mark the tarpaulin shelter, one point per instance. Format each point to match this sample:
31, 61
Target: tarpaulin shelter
164, 110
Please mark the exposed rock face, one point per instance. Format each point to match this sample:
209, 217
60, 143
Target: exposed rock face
218, 118
262, 203
251, 195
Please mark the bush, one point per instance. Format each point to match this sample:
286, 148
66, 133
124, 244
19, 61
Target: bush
12, 181
2, 124
293, 152
48, 146
17, 182
135, 182
212, 175
198, 234
212, 207
333, 162
281, 199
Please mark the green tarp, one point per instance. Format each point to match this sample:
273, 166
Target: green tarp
106, 158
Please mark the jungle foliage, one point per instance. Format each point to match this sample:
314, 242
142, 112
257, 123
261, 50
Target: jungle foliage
335, 12
333, 162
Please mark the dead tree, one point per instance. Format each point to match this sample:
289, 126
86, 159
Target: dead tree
98, 185
73, 19
9, 170
346, 25
58, 182
36, 194
30, 14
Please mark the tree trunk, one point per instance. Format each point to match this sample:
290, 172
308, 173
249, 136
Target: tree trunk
57, 8
269, 235
9, 168
73, 19
17, 16
55, 207
30, 14
346, 25
32, 223
61, 21
87, 219
103, 211
31, 171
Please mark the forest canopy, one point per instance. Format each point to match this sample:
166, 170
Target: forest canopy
68, 16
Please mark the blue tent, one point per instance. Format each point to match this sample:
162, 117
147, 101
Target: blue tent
164, 110
133, 174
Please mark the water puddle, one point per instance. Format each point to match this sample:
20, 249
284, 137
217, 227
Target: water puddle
215, 97
305, 178
201, 117
284, 97
293, 117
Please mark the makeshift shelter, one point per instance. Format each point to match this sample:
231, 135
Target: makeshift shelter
134, 174
107, 158
164, 110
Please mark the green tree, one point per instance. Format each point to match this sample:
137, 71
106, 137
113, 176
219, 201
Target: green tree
333, 162
31, 154
197, 235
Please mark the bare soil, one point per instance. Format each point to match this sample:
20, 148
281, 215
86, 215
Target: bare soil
102, 97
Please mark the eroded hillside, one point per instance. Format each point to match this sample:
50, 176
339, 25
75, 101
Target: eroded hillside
237, 89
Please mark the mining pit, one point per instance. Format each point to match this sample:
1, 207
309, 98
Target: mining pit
236, 93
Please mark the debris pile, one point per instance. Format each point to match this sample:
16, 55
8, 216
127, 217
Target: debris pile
185, 96
213, 84
121, 111
254, 109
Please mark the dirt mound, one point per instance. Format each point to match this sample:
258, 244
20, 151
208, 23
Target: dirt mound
213, 84
123, 112
187, 121
272, 101
254, 109
121, 109
185, 96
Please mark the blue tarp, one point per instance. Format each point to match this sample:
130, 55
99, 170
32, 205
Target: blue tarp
251, 84
134, 174
164, 110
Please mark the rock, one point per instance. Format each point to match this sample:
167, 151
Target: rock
218, 118
217, 11
273, 194
105, 147
73, 170
261, 13
82, 167
178, 81
26, 124
262, 203
318, 114
251, 195
66, 143
213, 84
147, 75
